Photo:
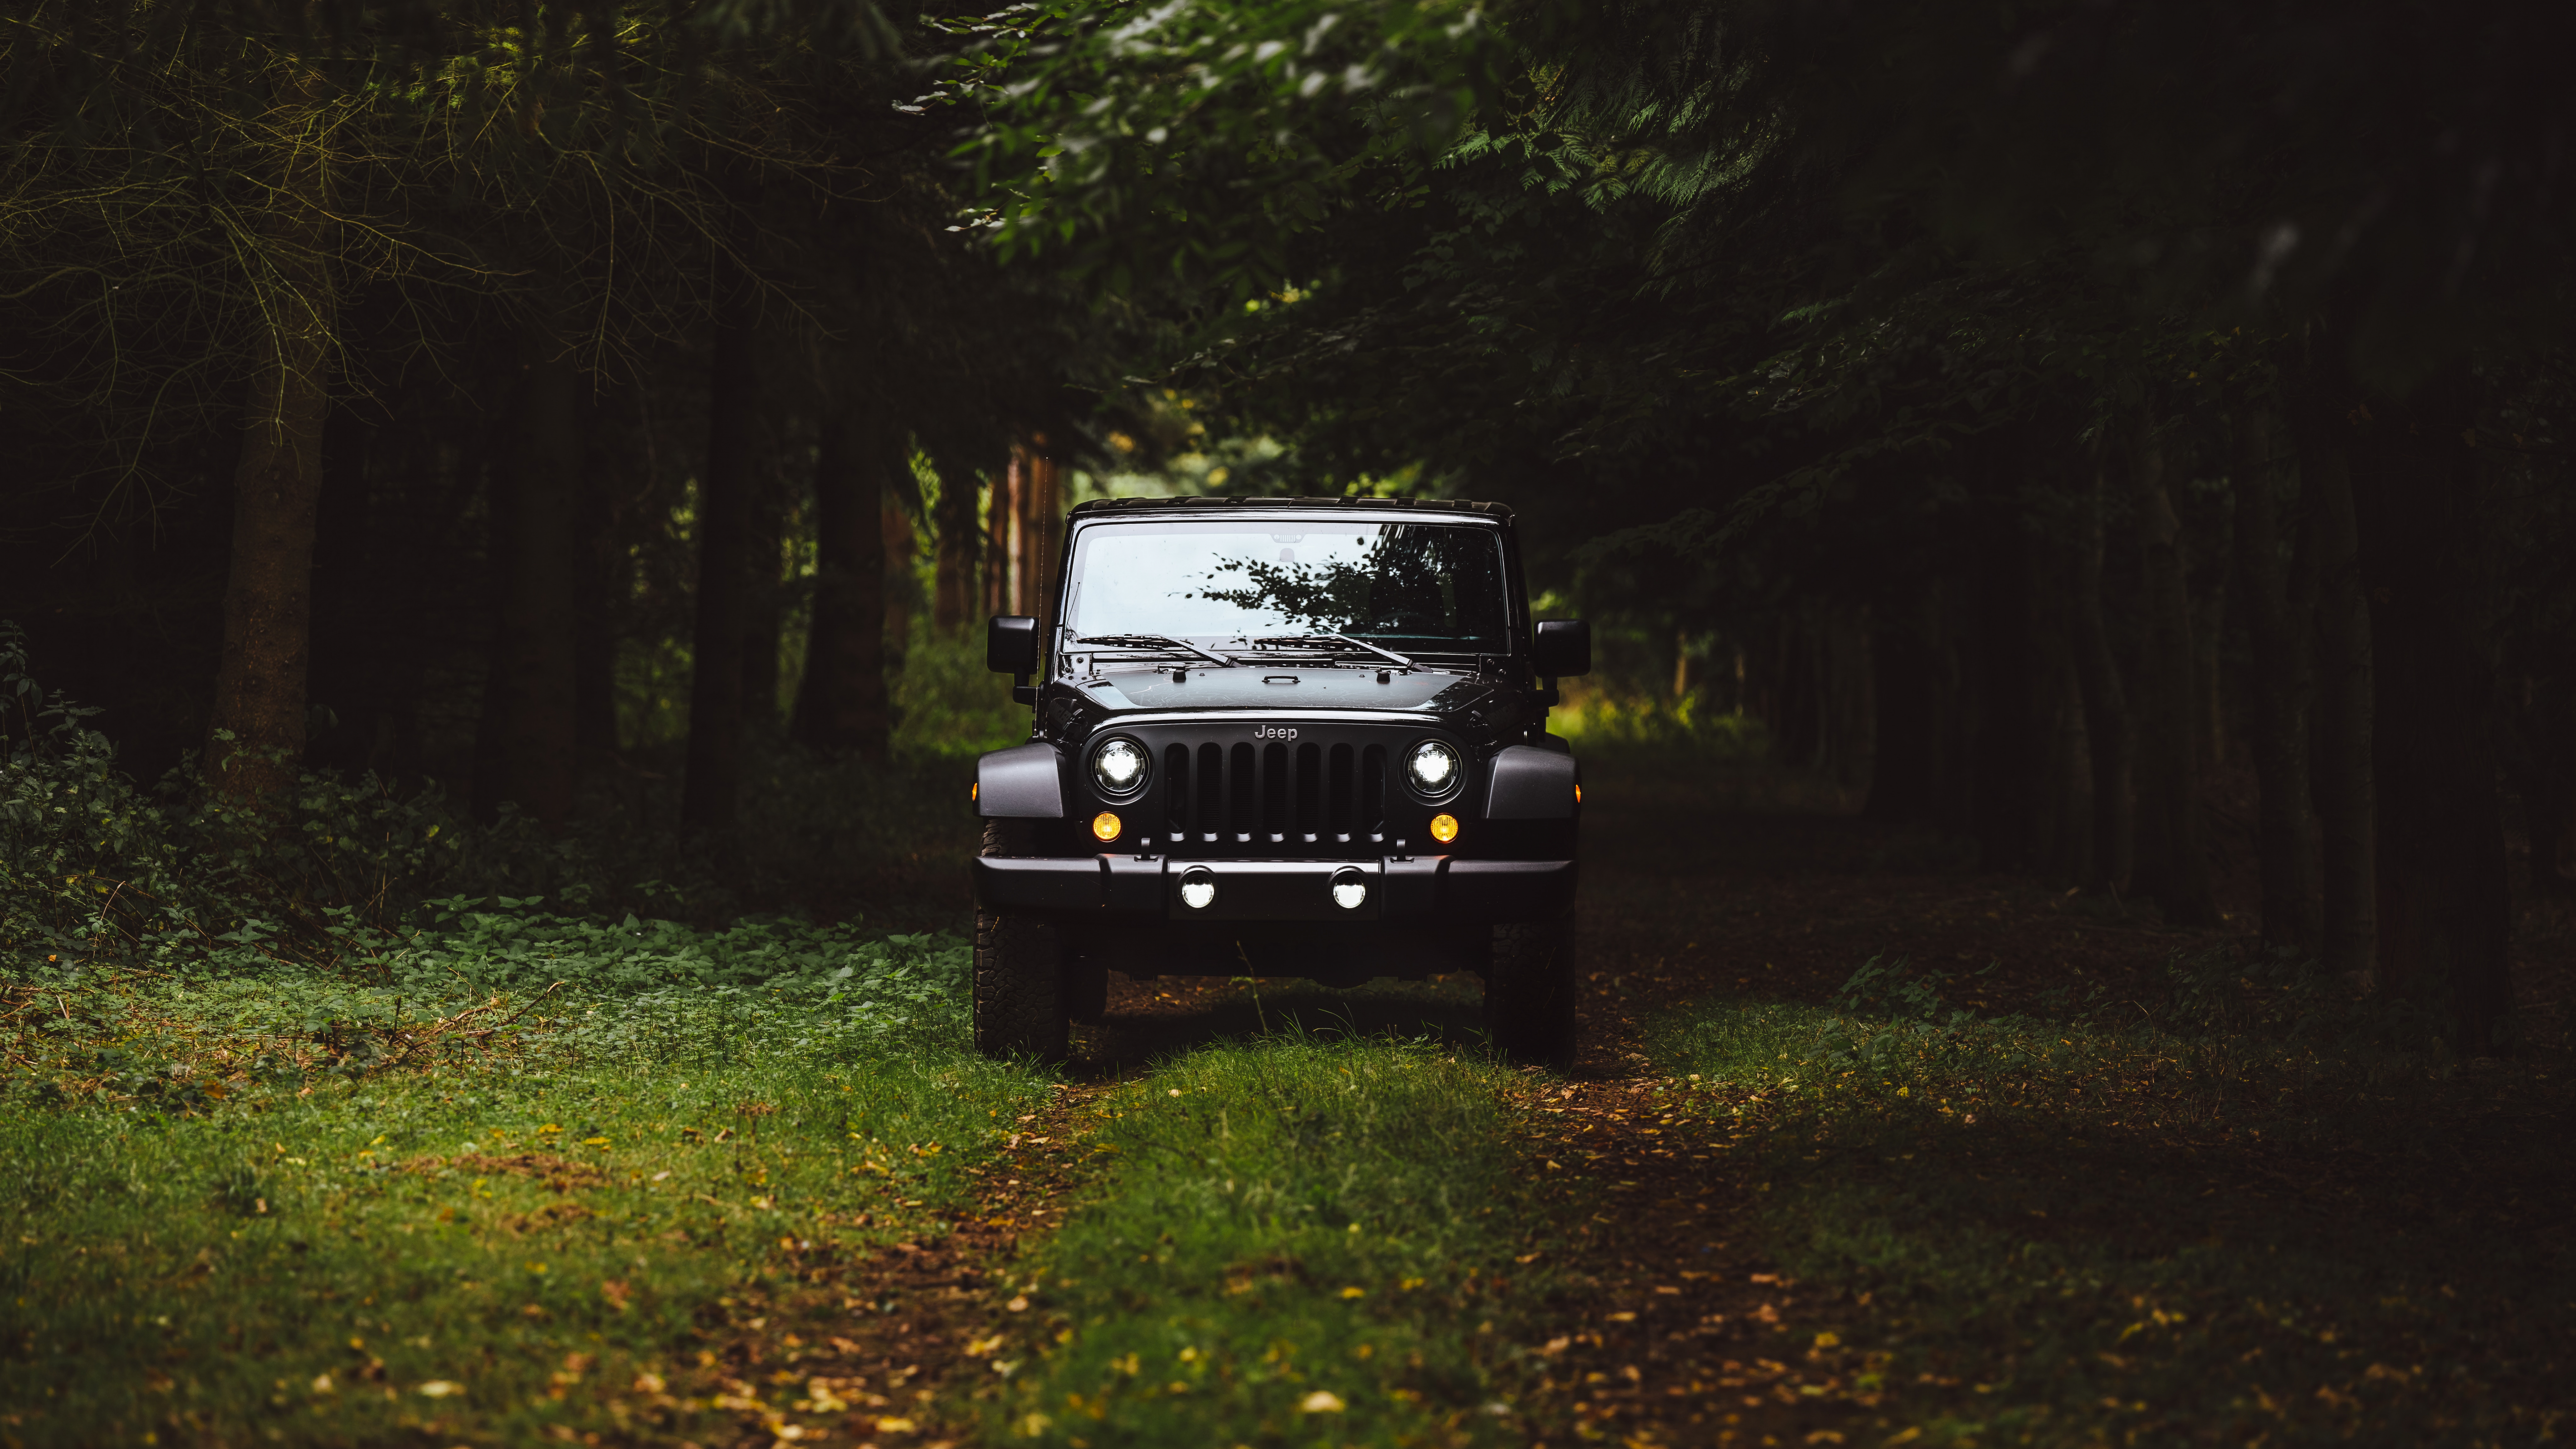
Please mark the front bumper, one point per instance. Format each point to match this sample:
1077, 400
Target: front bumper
1404, 890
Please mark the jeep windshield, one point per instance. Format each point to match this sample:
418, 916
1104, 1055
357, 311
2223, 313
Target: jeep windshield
1264, 585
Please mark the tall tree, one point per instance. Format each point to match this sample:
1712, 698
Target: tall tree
533, 677
954, 596
2110, 736
842, 704
2444, 903
257, 728
2172, 865
2277, 572
2342, 748
726, 481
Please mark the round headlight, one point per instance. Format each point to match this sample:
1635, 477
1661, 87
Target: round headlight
1432, 768
1118, 767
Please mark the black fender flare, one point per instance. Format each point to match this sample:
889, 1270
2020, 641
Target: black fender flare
1024, 782
1526, 782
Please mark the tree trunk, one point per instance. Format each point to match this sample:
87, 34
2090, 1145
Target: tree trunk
2278, 596
764, 567
2058, 819
2171, 865
2346, 821
895, 532
998, 513
843, 704
1904, 761
2208, 692
255, 735
607, 462
2445, 911
1039, 496
2110, 741
532, 661
725, 484
2550, 801
953, 599
2008, 748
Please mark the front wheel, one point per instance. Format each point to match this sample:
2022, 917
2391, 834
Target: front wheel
1529, 991
1019, 1002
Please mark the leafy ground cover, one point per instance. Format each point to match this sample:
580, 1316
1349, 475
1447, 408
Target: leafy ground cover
2201, 1198
2070, 1231
646, 1204
1863, 1147
1297, 1240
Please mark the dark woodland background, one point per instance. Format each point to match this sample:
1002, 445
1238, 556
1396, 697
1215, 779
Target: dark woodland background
2131, 441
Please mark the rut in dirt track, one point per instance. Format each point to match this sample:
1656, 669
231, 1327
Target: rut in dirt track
1670, 1326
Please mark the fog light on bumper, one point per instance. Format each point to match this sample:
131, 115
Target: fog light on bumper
1350, 890
1198, 890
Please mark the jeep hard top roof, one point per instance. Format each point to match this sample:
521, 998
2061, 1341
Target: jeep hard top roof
1211, 503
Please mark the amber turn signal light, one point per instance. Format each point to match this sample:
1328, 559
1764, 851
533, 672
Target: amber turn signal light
1444, 828
1104, 826
975, 791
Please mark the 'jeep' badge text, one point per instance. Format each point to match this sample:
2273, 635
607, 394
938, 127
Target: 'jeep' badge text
1272, 732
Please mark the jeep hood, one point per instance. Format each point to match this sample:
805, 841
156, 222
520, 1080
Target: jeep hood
1291, 690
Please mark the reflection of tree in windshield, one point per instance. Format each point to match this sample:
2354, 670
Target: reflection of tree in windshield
1416, 582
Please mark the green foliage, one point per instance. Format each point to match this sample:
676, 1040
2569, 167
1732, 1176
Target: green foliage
1598, 717
520, 1231
1201, 140
353, 877
948, 705
1301, 1247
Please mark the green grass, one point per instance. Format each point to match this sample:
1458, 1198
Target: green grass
260, 1210
1298, 1241
2078, 1233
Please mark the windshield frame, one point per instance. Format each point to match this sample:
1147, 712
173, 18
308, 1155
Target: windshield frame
1516, 623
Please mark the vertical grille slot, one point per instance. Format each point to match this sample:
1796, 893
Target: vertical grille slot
1310, 793
1243, 795
1176, 791
1341, 792
1211, 792
1372, 801
1274, 793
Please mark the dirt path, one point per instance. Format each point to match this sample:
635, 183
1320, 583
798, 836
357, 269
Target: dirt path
888, 1345
1672, 1327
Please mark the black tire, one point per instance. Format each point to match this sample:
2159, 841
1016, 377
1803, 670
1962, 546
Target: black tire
1018, 1000
1530, 991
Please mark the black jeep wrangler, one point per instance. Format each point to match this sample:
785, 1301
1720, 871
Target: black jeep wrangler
1281, 737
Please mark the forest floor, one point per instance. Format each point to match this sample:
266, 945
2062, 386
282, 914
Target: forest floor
1860, 1147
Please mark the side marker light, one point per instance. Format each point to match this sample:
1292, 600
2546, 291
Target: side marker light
1444, 828
975, 791
1104, 826
1578, 794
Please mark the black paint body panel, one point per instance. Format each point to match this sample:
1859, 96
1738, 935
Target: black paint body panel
1273, 777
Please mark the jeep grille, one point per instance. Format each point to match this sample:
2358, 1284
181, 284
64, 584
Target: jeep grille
1274, 797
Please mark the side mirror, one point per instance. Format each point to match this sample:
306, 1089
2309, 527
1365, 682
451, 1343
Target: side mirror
1011, 644
1561, 648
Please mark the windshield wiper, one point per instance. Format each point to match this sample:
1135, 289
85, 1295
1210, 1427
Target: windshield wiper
1154, 641
1341, 638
